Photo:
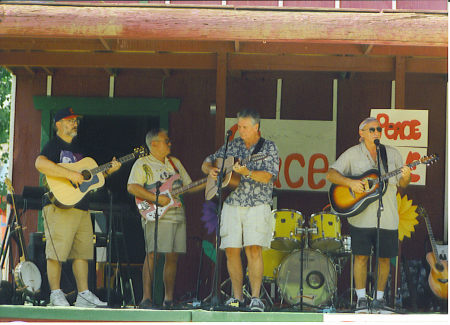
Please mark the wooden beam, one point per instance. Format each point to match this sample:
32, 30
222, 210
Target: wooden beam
105, 44
48, 71
221, 96
111, 60
367, 48
183, 23
427, 65
400, 76
310, 63
29, 70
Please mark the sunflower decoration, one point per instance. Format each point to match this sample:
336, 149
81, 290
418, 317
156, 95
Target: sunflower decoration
407, 216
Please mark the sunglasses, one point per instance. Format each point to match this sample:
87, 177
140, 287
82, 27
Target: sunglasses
372, 130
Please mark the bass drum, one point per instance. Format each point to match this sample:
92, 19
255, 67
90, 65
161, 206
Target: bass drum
319, 278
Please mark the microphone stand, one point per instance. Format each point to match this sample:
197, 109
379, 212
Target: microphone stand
109, 242
215, 294
380, 208
155, 246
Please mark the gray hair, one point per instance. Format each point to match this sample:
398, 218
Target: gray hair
252, 114
152, 135
366, 121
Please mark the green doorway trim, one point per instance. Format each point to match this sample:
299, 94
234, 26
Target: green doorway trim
104, 106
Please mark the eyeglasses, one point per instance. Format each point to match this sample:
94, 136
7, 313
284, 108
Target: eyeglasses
372, 130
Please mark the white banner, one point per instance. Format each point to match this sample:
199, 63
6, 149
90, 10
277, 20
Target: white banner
407, 130
306, 149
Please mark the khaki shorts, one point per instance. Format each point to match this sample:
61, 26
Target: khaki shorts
69, 232
171, 237
246, 226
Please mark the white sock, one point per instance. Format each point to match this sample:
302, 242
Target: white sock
54, 291
380, 295
361, 293
84, 292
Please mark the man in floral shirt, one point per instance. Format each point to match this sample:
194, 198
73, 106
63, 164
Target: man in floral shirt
246, 219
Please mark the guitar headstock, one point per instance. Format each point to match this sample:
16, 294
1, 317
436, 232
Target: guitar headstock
9, 185
140, 152
428, 160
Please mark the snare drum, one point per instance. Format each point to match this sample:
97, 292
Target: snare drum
287, 235
328, 235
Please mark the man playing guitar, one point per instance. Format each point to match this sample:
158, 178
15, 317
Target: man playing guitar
247, 220
146, 173
68, 232
354, 161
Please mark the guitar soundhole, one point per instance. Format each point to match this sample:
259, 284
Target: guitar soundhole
439, 267
86, 174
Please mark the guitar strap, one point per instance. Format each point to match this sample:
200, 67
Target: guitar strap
173, 165
384, 157
258, 146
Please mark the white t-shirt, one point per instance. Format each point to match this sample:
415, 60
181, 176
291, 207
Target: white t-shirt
148, 170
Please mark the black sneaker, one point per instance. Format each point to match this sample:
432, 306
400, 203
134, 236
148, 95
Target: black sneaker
145, 304
168, 304
362, 306
234, 303
379, 307
256, 305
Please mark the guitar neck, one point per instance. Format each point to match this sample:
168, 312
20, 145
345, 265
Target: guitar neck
430, 234
186, 188
105, 167
398, 171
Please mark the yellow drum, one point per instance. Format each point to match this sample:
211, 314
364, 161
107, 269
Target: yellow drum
327, 238
288, 230
272, 259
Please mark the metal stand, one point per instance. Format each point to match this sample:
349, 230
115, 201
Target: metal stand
215, 293
155, 246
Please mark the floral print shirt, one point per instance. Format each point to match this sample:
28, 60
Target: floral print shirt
249, 192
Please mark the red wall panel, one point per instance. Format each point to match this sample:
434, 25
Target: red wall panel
422, 4
199, 2
309, 3
369, 4
252, 3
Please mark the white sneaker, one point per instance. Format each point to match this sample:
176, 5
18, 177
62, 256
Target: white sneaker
89, 300
58, 299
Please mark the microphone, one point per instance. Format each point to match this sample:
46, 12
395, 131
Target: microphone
377, 142
158, 184
229, 133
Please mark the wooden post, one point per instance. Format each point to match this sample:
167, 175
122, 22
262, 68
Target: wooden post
221, 97
400, 68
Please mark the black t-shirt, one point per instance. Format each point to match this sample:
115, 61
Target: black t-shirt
59, 151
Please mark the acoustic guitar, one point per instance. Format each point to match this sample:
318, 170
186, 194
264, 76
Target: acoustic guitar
231, 179
438, 278
148, 209
347, 203
65, 194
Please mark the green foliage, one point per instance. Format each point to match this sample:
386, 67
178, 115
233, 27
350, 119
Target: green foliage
5, 105
5, 110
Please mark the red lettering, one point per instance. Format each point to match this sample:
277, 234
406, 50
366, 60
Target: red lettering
412, 156
311, 171
393, 131
289, 159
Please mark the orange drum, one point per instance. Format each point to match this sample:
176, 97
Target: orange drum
287, 235
328, 235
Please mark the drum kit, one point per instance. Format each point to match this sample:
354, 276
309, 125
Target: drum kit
304, 261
